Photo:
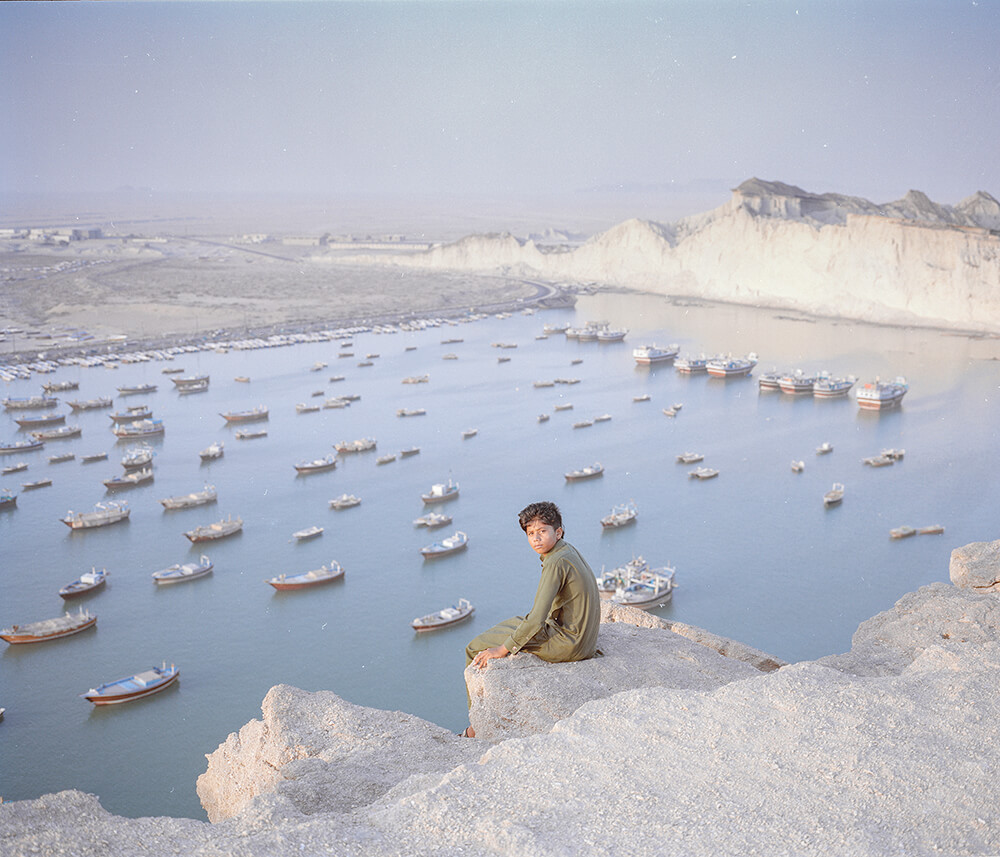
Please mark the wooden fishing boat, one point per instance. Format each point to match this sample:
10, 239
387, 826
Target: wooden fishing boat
218, 530
188, 380
38, 483
91, 457
133, 687
24, 403
87, 582
61, 433
131, 415
15, 468
307, 533
49, 629
195, 498
21, 446
37, 422
196, 387
442, 618
307, 579
178, 573
90, 404
252, 415
104, 514
318, 465
130, 479
345, 501
136, 389
452, 544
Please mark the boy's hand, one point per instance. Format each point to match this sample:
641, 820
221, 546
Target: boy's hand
481, 659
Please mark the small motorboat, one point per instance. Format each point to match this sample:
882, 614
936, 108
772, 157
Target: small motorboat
345, 501
133, 687
452, 544
588, 472
440, 492
442, 618
834, 496
307, 533
178, 573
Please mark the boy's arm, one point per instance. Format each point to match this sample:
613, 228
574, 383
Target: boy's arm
548, 589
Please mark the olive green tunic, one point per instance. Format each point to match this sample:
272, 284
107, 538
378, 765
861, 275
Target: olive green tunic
564, 620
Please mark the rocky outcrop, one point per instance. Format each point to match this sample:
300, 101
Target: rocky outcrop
888, 748
912, 261
976, 566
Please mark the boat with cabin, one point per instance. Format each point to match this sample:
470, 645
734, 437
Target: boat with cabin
880, 395
440, 492
250, 434
432, 520
196, 387
797, 383
188, 380
442, 618
39, 422
451, 544
902, 532
731, 367
219, 530
21, 446
129, 480
136, 389
410, 412
212, 451
345, 501
8, 498
589, 472
130, 415
691, 365
15, 468
317, 465
703, 473
139, 428
138, 456
178, 573
651, 588
307, 533
260, 412
620, 515
195, 498
133, 687
60, 386
103, 515
25, 403
828, 387
690, 458
91, 404
91, 457
646, 355
834, 496
38, 483
349, 446
609, 582
86, 582
307, 579
49, 629
61, 433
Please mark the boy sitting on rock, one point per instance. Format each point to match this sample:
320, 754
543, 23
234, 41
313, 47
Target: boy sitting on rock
564, 620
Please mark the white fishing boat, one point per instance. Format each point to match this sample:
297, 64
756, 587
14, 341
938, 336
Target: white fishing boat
59, 459
212, 451
91, 404
894, 454
642, 397
317, 465
609, 582
137, 456
219, 530
798, 466
902, 532
140, 428
583, 424
15, 468
703, 473
469, 432
61, 433
250, 434
611, 334
432, 520
195, 498
881, 395
130, 415
86, 582
24, 403
731, 367
21, 446
442, 618
307, 533
824, 448
252, 415
133, 687
834, 496
410, 450
350, 446
39, 422
796, 383
345, 501
691, 365
104, 514
621, 515
440, 492
188, 380
588, 472
136, 389
303, 408
308, 579
130, 479
878, 461
91, 457
649, 354
827, 387
652, 588
543, 418
179, 573
449, 545
38, 483
410, 412
195, 387
386, 459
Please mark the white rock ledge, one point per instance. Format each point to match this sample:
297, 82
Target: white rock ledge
887, 748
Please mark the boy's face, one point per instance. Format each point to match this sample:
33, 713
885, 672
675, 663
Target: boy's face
541, 536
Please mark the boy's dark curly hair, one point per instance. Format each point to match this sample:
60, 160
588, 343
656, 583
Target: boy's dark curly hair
545, 511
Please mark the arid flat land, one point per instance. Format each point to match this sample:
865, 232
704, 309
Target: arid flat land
180, 286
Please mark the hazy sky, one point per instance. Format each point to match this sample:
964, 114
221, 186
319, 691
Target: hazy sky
862, 97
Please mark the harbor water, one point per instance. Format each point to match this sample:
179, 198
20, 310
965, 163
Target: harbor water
758, 558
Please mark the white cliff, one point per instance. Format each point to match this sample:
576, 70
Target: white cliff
912, 261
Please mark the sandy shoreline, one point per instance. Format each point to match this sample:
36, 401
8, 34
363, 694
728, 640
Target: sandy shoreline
153, 293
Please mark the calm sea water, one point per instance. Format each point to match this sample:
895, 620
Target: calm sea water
758, 558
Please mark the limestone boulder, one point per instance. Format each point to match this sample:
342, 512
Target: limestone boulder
976, 566
523, 695
315, 752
